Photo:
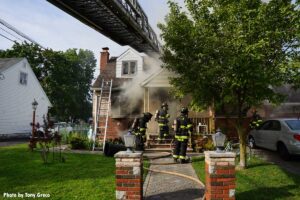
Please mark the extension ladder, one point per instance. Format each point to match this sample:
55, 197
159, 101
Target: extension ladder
102, 113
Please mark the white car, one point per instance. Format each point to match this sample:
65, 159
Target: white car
62, 127
282, 135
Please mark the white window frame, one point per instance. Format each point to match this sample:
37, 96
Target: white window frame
129, 65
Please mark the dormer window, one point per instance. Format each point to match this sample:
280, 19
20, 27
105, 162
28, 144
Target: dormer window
23, 78
129, 67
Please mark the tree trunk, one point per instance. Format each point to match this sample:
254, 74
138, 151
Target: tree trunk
243, 144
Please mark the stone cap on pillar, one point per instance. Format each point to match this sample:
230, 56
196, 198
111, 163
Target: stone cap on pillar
214, 154
125, 154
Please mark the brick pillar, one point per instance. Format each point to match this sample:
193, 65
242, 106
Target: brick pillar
219, 175
129, 176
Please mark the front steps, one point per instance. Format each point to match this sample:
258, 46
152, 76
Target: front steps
166, 145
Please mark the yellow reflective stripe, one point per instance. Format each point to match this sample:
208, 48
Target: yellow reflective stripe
142, 129
184, 137
177, 136
175, 156
161, 124
189, 125
182, 157
183, 126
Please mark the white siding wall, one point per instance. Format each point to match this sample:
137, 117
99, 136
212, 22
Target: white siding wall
16, 99
129, 55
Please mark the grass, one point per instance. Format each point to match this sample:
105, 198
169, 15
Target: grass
146, 163
80, 177
260, 181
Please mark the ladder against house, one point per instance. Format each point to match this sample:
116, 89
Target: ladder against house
102, 113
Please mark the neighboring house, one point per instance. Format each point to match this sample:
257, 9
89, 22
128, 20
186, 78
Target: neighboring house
18, 89
290, 108
139, 85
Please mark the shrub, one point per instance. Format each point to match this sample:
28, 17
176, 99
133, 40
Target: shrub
209, 145
79, 142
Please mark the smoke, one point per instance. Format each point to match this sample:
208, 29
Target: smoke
132, 91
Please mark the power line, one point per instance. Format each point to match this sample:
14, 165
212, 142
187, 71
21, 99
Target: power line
8, 38
19, 32
11, 34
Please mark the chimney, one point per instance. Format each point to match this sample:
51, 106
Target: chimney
104, 57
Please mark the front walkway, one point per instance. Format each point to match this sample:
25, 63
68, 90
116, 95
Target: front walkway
169, 187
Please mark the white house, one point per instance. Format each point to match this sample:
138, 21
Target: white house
18, 89
139, 85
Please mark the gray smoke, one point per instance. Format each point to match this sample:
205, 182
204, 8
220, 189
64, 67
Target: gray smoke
132, 90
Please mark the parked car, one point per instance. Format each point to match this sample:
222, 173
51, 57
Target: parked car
282, 135
63, 127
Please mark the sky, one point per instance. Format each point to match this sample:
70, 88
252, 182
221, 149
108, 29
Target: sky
55, 29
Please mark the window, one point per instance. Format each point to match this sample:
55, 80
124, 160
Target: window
23, 78
129, 67
293, 124
271, 126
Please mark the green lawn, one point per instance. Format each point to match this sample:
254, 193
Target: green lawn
261, 181
80, 177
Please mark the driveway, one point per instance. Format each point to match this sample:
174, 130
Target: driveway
292, 166
10, 143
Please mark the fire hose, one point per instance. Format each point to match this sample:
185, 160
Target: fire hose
171, 173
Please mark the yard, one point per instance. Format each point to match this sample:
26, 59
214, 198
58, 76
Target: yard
80, 177
260, 181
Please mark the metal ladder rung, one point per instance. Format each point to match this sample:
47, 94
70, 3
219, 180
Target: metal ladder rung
103, 108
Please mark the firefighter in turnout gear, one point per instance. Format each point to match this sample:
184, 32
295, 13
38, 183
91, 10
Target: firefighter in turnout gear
183, 127
162, 116
139, 127
256, 120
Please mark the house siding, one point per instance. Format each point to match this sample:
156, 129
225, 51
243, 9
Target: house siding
16, 100
129, 55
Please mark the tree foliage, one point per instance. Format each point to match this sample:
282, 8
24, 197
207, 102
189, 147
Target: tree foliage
229, 52
65, 76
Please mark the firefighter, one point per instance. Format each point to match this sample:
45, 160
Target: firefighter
162, 116
256, 120
183, 128
139, 127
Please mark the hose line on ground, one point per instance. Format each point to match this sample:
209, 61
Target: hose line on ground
176, 174
171, 173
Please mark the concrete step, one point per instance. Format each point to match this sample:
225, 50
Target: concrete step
156, 145
154, 137
150, 150
160, 141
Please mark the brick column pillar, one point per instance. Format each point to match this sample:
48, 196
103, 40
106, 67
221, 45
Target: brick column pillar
219, 175
129, 176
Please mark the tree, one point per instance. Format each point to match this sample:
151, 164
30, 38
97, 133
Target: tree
65, 76
32, 52
232, 52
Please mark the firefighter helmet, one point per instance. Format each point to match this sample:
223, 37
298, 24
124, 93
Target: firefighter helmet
184, 110
148, 115
164, 104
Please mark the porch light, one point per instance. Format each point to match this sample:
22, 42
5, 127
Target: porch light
219, 140
129, 140
34, 105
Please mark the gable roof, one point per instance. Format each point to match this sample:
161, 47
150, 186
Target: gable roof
131, 50
6, 63
109, 73
158, 79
